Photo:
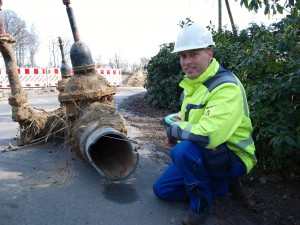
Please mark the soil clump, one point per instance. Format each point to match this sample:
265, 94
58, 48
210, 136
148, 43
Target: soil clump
137, 79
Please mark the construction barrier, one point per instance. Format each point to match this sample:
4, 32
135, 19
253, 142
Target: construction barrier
113, 76
49, 77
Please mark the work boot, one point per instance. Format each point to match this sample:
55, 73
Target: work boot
194, 218
237, 191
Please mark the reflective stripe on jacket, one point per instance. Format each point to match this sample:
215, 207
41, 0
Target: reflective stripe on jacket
215, 111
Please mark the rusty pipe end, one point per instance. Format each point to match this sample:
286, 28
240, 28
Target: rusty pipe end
109, 152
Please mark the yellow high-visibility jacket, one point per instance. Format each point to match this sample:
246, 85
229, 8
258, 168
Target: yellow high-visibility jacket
215, 111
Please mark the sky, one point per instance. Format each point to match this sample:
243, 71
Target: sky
130, 28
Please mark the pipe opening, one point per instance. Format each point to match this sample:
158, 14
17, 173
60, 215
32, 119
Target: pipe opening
112, 155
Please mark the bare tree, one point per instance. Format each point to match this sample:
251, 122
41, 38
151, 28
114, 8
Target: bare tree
220, 14
231, 18
67, 44
144, 62
16, 27
229, 14
34, 44
124, 65
53, 48
54, 51
134, 67
115, 62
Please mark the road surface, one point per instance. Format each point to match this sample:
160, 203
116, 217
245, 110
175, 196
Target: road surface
49, 185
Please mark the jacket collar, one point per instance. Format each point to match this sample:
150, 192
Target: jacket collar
191, 85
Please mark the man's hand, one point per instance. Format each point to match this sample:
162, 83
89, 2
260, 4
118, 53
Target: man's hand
170, 142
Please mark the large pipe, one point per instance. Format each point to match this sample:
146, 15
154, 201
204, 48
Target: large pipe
65, 69
72, 20
97, 131
109, 152
81, 57
100, 139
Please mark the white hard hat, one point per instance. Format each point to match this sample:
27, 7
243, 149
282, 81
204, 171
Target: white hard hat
193, 36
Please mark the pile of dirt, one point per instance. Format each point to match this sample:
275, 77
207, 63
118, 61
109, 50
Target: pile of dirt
137, 79
270, 200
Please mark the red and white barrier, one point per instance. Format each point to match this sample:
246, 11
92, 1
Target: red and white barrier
113, 76
49, 77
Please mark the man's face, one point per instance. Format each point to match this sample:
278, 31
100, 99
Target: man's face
194, 62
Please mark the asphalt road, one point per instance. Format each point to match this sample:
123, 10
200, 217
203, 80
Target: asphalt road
49, 185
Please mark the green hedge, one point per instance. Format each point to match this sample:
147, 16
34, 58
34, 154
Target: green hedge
164, 75
266, 60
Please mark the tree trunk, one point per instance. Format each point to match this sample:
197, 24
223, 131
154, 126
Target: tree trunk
220, 15
231, 18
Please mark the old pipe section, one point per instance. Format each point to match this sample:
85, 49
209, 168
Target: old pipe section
96, 129
108, 151
81, 56
65, 69
34, 124
18, 99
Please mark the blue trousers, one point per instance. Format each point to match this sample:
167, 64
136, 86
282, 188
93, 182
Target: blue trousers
189, 178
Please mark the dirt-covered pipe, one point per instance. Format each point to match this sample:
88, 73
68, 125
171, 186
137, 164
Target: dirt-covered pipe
65, 69
35, 124
108, 151
81, 56
97, 133
96, 130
